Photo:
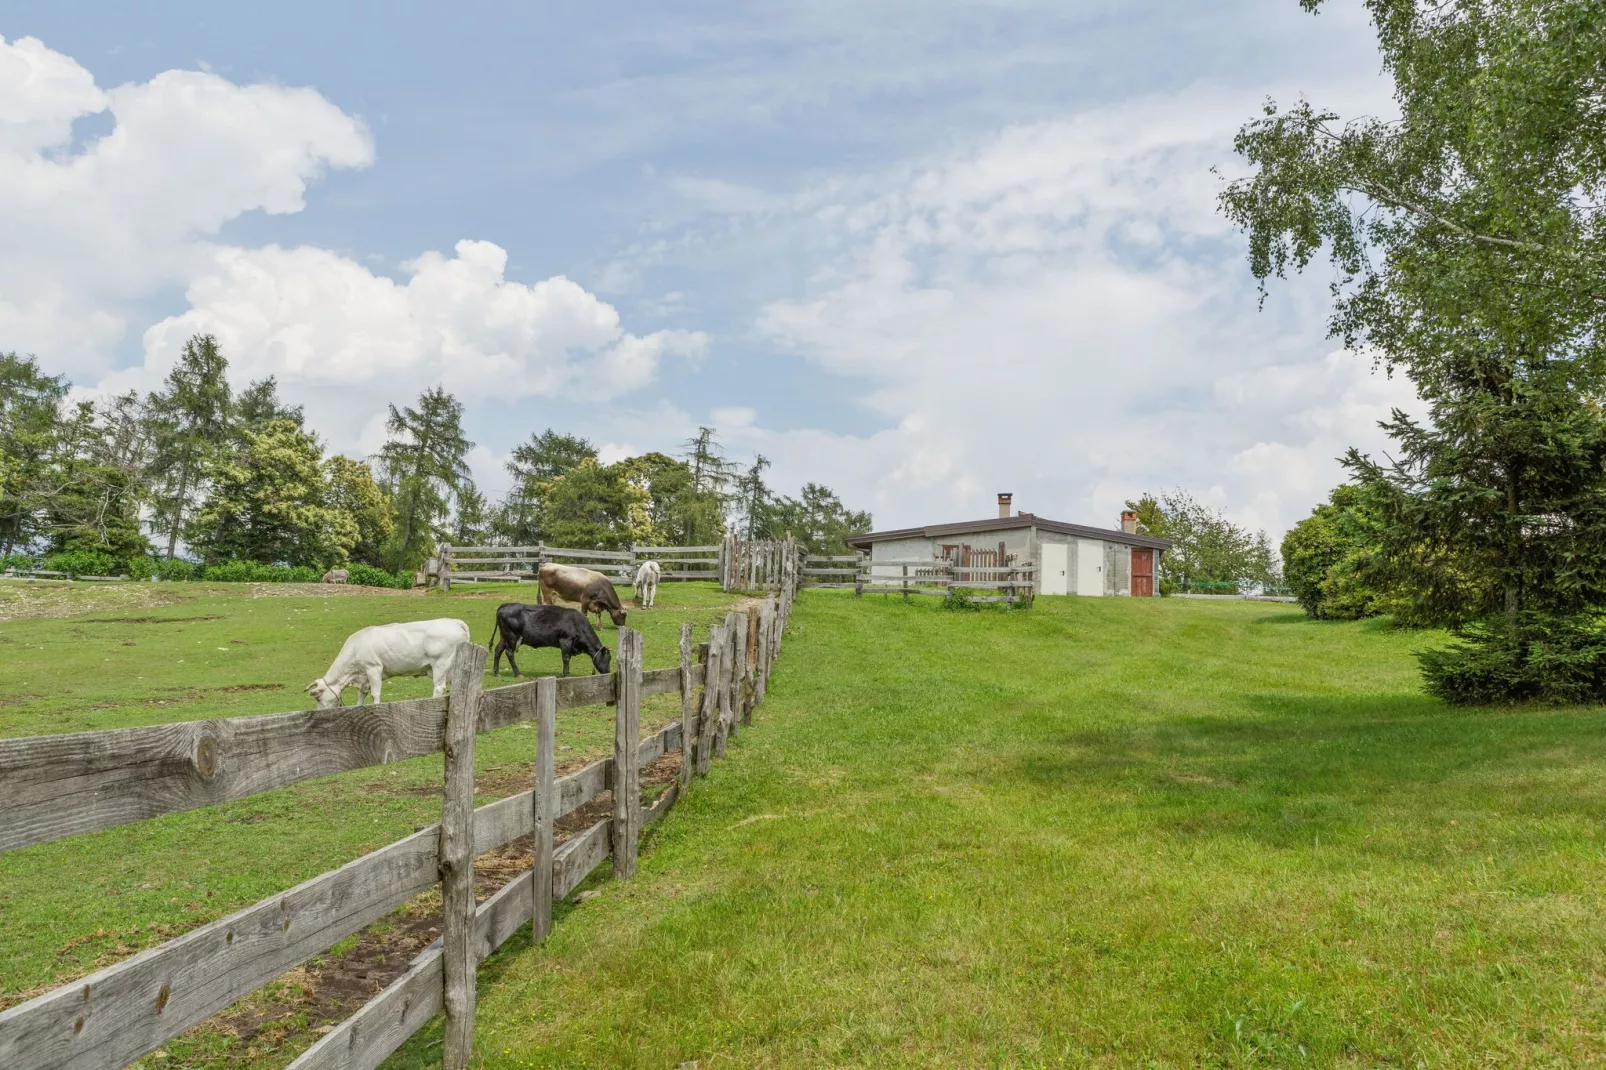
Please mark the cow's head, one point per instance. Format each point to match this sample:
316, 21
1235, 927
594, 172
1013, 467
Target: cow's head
617, 615
602, 660
325, 694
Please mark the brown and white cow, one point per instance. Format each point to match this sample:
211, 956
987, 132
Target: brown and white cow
592, 590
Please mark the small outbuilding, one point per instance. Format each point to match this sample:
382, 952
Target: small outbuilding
1068, 558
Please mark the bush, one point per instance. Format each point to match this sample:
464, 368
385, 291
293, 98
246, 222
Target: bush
17, 561
173, 571
83, 563
369, 576
1550, 660
256, 572
959, 602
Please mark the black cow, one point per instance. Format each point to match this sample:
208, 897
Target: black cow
538, 626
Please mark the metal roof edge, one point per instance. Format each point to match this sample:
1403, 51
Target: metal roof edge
933, 531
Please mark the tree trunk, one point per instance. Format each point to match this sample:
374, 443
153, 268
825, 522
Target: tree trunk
178, 510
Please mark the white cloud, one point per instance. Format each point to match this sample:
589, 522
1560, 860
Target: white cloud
94, 229
104, 226
1059, 311
335, 333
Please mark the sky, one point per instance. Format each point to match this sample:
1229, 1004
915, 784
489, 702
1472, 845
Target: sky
919, 252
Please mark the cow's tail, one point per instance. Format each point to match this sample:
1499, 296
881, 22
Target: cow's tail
496, 630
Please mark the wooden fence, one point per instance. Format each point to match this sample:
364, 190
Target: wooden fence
1009, 583
759, 564
821, 570
476, 563
57, 786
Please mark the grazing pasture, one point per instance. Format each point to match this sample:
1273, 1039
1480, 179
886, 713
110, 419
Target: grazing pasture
78, 658
1117, 832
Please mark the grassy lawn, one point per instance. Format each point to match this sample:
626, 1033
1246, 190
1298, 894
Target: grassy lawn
1102, 832
138, 654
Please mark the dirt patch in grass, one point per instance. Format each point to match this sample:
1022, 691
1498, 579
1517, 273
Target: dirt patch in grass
313, 998
24, 601
148, 620
335, 590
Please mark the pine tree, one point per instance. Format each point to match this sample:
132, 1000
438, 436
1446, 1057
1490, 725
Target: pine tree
30, 423
424, 464
190, 427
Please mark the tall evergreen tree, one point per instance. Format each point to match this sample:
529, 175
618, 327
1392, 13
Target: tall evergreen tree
753, 499
259, 405
519, 520
1468, 239
190, 428
817, 519
353, 490
269, 503
424, 465
30, 424
703, 512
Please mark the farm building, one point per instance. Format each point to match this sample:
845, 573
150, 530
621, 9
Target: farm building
1068, 558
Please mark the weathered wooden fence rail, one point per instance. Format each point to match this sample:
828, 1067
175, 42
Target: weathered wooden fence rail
475, 563
57, 786
1013, 583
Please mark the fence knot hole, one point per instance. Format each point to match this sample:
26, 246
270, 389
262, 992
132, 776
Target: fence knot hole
206, 756
162, 995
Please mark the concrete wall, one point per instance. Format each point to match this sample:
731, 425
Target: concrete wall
1117, 569
898, 550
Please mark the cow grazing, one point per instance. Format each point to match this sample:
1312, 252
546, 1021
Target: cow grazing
592, 590
541, 626
647, 577
373, 655
336, 575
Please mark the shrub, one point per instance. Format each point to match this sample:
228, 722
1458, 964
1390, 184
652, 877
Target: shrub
1550, 660
959, 602
17, 561
83, 563
174, 570
369, 576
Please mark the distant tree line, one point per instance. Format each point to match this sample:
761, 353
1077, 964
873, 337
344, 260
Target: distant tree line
238, 477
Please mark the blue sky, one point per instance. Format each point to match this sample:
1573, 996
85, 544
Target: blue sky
919, 252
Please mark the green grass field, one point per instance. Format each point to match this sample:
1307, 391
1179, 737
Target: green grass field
1104, 832
1108, 832
139, 654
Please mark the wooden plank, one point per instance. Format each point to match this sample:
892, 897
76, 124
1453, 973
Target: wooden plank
55, 786
544, 799
828, 571
626, 756
457, 856
575, 860
688, 716
661, 806
600, 555
677, 550
367, 1038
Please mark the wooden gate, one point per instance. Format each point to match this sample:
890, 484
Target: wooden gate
1142, 573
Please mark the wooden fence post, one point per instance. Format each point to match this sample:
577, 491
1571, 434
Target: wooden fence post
457, 856
750, 667
626, 755
712, 671
445, 558
546, 805
736, 624
906, 583
688, 716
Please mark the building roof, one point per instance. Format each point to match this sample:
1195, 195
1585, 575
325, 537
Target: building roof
1011, 523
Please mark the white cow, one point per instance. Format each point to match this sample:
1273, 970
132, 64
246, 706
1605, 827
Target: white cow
373, 655
647, 583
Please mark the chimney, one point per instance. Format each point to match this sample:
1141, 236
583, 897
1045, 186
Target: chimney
1004, 498
1129, 522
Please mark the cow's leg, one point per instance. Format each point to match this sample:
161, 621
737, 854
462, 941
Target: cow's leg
511, 663
567, 651
376, 679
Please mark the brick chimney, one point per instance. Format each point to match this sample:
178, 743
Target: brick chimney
1004, 498
1129, 522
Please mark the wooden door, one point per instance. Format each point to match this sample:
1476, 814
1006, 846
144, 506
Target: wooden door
1142, 573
